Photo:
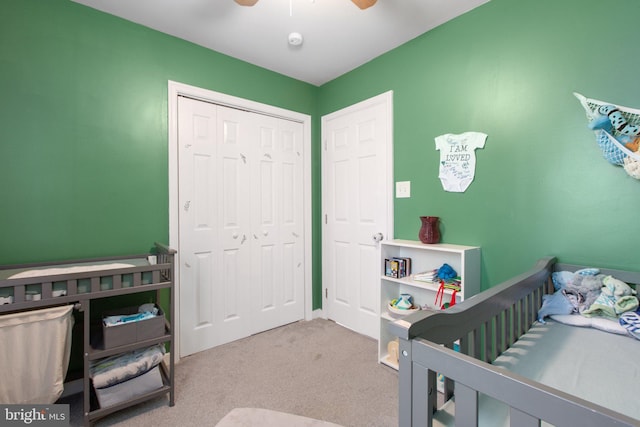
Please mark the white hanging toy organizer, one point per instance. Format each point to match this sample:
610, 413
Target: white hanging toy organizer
617, 130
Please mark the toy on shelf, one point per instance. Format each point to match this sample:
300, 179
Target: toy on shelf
449, 279
403, 305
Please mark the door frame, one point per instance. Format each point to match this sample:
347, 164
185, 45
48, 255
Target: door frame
176, 89
385, 98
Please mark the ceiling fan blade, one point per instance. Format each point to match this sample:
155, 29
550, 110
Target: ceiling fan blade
363, 4
246, 2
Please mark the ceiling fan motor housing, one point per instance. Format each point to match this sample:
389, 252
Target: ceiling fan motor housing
362, 4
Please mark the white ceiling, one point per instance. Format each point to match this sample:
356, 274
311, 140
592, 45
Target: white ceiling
338, 36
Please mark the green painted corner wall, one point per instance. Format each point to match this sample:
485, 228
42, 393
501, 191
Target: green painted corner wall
83, 125
508, 69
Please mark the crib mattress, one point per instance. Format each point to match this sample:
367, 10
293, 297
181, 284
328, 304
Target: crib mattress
588, 363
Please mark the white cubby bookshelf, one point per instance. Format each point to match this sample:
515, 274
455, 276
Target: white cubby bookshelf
465, 260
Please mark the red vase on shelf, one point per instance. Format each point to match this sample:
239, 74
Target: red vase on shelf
430, 229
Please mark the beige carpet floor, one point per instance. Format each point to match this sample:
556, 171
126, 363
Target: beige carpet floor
314, 369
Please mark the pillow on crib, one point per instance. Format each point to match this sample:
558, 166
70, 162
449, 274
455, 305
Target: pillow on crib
601, 323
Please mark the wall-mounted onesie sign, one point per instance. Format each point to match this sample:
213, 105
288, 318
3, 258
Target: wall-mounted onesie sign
617, 130
458, 159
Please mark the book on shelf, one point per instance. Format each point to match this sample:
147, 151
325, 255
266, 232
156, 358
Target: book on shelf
390, 268
404, 266
430, 276
397, 267
453, 284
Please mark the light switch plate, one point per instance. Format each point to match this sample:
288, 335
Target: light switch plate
403, 189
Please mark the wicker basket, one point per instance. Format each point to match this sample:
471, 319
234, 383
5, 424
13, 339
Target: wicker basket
612, 150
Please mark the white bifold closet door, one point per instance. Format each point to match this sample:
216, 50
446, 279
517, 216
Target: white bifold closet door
240, 223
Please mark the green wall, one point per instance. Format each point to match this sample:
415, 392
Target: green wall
83, 129
83, 125
508, 69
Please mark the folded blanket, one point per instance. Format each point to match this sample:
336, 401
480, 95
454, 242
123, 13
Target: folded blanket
616, 297
631, 322
116, 369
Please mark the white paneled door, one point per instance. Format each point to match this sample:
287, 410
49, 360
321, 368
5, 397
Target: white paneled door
357, 207
277, 223
240, 223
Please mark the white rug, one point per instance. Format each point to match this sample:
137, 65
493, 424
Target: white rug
254, 417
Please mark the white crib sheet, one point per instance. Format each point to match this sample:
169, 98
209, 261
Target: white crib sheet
588, 363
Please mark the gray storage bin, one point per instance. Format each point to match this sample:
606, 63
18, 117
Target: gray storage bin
129, 333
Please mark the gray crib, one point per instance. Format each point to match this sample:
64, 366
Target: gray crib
485, 326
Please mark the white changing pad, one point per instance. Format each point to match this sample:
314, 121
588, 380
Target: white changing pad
67, 269
588, 363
